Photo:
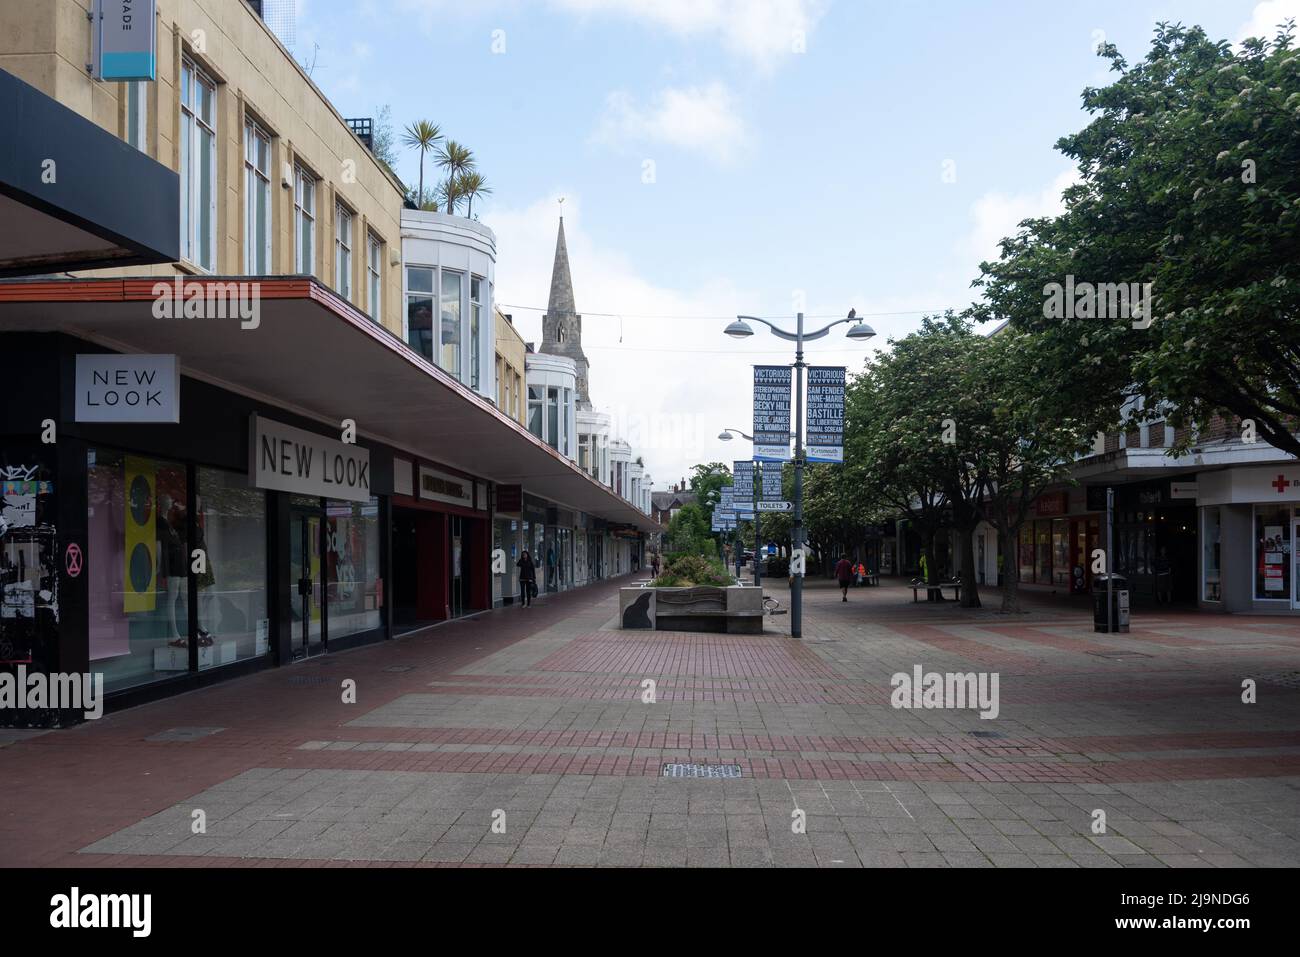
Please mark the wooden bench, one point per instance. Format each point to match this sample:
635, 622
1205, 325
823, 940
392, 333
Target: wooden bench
936, 589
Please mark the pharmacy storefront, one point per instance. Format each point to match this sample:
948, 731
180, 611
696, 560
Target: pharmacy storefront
1250, 523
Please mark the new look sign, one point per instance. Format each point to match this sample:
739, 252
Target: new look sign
286, 459
122, 388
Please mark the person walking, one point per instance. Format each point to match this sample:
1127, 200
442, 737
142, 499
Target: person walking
654, 564
844, 574
527, 578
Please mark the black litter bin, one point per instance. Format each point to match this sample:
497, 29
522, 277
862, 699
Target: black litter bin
1119, 603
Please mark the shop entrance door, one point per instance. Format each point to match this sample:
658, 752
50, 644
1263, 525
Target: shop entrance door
1295, 561
305, 575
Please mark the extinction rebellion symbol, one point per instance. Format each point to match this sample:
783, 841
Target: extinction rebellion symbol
72, 559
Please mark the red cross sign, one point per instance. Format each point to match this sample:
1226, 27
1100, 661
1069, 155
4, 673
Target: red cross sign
1281, 484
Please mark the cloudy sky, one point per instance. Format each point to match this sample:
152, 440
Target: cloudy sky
740, 156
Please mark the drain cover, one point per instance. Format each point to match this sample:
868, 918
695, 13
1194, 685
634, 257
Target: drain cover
306, 679
183, 734
1119, 655
396, 669
986, 734
701, 771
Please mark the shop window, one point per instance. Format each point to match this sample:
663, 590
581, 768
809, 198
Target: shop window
353, 587
1060, 552
419, 310
1211, 534
1273, 552
137, 561
1026, 557
232, 599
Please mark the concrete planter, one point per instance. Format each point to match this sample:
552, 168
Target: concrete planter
731, 610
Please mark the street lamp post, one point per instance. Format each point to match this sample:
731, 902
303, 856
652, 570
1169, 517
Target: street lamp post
859, 331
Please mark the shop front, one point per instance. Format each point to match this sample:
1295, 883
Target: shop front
1249, 526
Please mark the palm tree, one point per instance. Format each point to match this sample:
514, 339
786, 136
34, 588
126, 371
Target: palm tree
423, 136
473, 184
456, 160
449, 194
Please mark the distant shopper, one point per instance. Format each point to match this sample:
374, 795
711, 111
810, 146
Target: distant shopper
1164, 570
654, 564
527, 578
844, 574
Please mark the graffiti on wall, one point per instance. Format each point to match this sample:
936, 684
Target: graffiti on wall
29, 561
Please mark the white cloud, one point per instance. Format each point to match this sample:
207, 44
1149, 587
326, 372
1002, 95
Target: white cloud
700, 119
1266, 17
764, 31
995, 216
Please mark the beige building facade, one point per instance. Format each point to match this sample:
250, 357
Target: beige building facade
273, 180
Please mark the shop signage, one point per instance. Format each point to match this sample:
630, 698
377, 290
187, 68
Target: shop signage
1182, 490
287, 459
510, 499
774, 507
124, 39
825, 414
438, 486
1053, 503
121, 388
772, 413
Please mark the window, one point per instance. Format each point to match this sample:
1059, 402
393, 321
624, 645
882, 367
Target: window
257, 200
374, 274
304, 221
419, 310
535, 400
475, 312
1210, 538
1272, 551
232, 598
553, 416
343, 251
565, 416
137, 115
198, 178
584, 453
353, 587
137, 551
449, 357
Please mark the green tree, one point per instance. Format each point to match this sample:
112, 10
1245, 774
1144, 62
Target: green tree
422, 136
689, 533
1190, 181
456, 160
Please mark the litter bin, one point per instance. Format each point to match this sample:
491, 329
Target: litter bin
1119, 602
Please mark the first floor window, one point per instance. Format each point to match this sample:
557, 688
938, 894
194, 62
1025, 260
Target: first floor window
475, 312
419, 310
535, 402
374, 276
198, 173
343, 251
449, 357
304, 221
137, 115
257, 200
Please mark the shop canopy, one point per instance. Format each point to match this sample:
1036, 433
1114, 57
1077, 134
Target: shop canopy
73, 195
312, 353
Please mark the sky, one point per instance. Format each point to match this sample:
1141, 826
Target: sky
720, 157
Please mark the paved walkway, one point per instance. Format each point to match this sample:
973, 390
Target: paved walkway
522, 737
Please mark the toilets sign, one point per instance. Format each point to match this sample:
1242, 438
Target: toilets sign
292, 460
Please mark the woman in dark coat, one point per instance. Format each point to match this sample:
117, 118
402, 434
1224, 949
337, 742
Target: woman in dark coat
527, 577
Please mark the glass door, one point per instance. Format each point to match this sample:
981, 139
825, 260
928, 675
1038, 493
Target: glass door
305, 574
456, 560
1295, 560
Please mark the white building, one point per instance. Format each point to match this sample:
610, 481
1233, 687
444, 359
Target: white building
552, 405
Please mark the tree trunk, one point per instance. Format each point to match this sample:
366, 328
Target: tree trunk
1010, 571
420, 202
970, 596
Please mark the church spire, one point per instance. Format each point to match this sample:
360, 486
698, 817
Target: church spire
561, 301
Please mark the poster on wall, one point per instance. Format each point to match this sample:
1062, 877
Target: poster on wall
1274, 558
825, 414
772, 413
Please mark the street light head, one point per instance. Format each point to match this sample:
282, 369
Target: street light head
861, 332
725, 436
739, 330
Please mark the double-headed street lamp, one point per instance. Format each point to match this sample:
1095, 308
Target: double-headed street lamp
860, 332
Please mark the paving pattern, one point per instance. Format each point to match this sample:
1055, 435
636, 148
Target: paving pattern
540, 737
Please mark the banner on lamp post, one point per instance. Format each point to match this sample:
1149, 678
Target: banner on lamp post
772, 413
825, 414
